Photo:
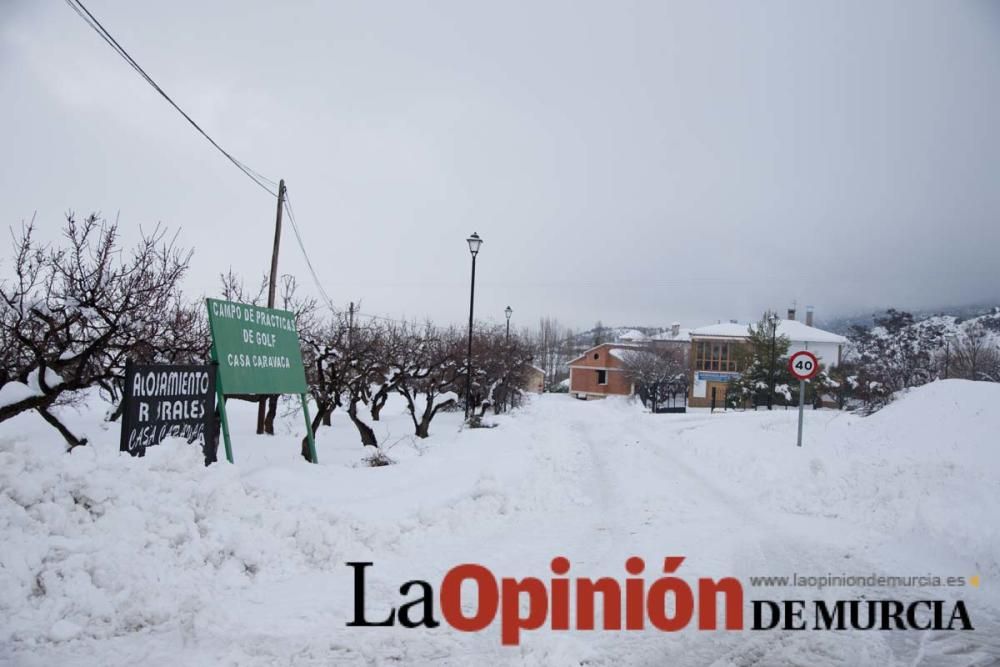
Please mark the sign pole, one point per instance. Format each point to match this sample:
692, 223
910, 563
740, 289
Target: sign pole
802, 398
222, 408
126, 396
309, 430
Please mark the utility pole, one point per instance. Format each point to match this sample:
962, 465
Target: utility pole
350, 328
271, 286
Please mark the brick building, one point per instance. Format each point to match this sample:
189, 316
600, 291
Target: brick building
599, 372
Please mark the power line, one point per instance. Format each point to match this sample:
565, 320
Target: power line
302, 247
262, 181
265, 183
92, 21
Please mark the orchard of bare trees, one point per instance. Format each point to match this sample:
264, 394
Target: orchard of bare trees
75, 311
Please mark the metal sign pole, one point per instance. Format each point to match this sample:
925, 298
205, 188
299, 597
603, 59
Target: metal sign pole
309, 430
222, 408
802, 399
126, 399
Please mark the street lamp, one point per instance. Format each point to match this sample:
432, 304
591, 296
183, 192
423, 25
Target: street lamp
949, 338
773, 319
508, 311
474, 242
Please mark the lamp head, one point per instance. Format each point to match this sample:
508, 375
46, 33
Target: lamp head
474, 242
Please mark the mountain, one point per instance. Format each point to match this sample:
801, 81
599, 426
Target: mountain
842, 324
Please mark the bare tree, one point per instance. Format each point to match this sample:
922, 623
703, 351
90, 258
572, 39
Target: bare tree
431, 368
499, 369
184, 339
370, 375
975, 356
71, 315
656, 372
326, 356
552, 346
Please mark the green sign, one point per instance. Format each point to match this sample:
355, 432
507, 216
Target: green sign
257, 352
257, 349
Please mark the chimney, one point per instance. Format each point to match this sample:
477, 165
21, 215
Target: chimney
675, 329
791, 313
809, 316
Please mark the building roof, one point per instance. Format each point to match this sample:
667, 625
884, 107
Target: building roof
683, 335
633, 334
795, 331
633, 346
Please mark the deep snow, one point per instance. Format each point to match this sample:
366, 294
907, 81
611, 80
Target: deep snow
112, 560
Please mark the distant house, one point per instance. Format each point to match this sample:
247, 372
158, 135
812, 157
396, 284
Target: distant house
600, 372
632, 336
713, 352
673, 335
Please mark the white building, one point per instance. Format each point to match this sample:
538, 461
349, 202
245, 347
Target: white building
714, 360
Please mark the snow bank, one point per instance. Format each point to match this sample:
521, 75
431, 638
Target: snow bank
956, 415
113, 545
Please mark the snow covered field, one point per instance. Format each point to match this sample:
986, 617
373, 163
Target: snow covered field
109, 560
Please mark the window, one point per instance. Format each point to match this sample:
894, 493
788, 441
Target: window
597, 355
602, 377
715, 356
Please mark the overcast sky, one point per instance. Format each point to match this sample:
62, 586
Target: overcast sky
634, 163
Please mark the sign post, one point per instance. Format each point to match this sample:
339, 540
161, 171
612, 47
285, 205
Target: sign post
802, 365
257, 352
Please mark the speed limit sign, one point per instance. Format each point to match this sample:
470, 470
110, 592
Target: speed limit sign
803, 365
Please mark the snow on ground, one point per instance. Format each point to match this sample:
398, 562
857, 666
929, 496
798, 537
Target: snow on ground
111, 560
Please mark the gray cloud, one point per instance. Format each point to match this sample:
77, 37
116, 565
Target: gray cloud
637, 163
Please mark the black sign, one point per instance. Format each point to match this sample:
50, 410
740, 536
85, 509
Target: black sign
163, 401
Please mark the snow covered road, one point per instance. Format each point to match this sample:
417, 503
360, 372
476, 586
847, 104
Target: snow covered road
114, 561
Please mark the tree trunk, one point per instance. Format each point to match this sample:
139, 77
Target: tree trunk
323, 412
261, 413
272, 411
423, 427
366, 432
71, 439
378, 401
119, 411
412, 409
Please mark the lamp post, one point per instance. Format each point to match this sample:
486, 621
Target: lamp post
508, 311
948, 339
773, 319
474, 242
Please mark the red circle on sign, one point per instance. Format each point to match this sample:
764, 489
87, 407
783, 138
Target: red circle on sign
807, 361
